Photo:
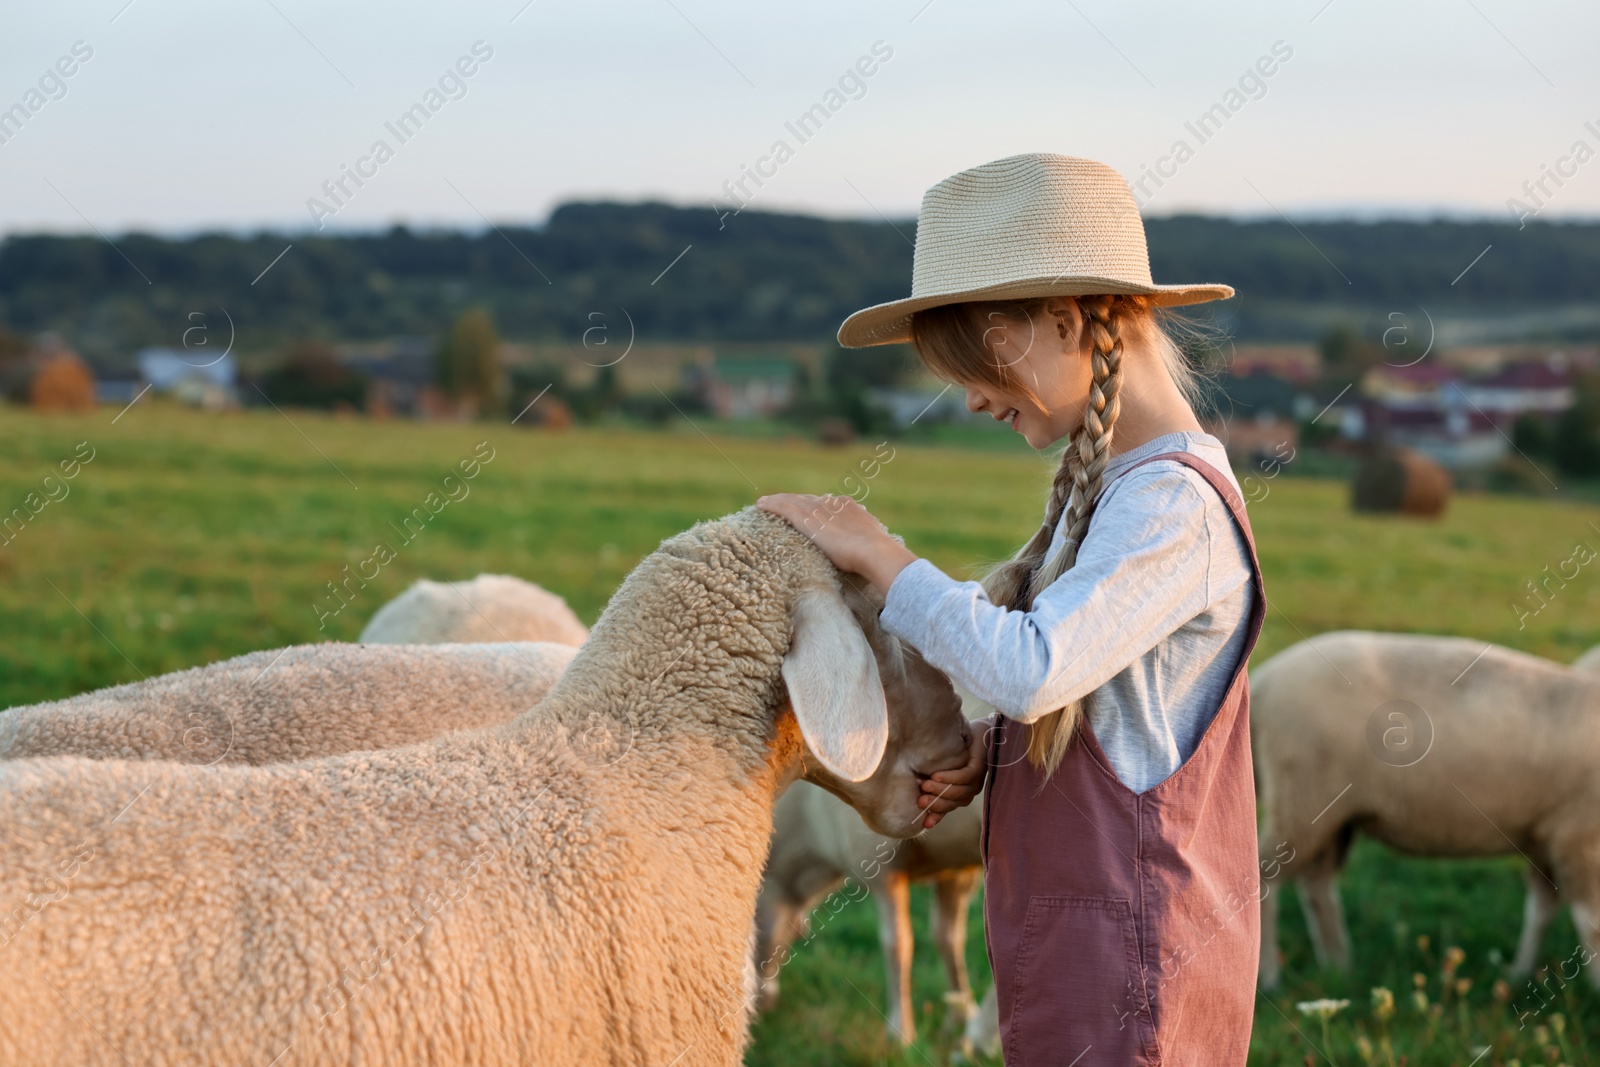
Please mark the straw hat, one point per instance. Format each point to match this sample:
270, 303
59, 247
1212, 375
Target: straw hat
1038, 224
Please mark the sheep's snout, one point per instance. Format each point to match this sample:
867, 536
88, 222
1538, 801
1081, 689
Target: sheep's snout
927, 733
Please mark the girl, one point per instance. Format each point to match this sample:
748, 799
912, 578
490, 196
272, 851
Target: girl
1121, 901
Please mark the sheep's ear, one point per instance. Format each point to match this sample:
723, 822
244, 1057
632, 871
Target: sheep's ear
834, 686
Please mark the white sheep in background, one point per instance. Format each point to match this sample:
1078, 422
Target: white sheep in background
509, 895
982, 1035
294, 703
1436, 746
818, 841
490, 608
268, 707
1589, 661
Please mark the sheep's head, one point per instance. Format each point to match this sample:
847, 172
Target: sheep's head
876, 717
749, 614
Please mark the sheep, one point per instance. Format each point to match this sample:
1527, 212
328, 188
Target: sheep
982, 1035
269, 706
818, 841
570, 905
1437, 746
491, 607
295, 703
1589, 661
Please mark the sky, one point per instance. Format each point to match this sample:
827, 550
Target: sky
181, 116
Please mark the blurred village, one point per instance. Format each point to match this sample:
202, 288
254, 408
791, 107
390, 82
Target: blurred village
1486, 416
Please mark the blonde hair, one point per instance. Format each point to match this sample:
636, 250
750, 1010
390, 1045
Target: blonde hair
952, 340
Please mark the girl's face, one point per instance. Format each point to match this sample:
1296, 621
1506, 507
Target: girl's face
1043, 353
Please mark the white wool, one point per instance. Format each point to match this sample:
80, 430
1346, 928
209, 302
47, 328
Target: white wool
1436, 746
576, 886
293, 703
491, 607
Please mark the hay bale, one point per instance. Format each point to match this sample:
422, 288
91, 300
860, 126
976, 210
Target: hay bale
552, 413
61, 382
1400, 480
835, 432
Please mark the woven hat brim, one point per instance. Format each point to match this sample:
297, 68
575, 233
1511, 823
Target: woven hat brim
888, 324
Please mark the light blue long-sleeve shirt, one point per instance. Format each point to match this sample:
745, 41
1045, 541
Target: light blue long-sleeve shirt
1151, 619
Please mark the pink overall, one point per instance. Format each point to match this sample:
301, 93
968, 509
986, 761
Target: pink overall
1124, 928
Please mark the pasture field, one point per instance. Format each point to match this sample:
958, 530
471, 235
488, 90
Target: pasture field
188, 538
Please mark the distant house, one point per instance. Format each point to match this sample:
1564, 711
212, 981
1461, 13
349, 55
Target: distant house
1536, 386
1461, 420
744, 387
1299, 364
401, 375
116, 390
1422, 406
195, 378
1260, 396
1253, 415
926, 404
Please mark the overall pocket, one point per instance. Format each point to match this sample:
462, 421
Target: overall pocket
1078, 988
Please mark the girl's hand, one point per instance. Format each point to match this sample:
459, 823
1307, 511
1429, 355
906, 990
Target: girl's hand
945, 791
846, 533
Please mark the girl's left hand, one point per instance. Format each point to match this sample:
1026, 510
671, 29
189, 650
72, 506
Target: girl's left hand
945, 791
846, 533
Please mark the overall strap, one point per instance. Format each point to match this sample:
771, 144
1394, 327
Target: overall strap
1231, 497
1219, 482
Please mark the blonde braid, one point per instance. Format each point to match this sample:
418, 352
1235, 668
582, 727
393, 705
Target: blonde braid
1075, 490
1090, 447
1008, 583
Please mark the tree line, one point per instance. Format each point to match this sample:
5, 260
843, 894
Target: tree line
686, 273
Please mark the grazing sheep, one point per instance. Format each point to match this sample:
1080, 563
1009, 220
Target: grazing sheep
818, 841
491, 607
504, 896
293, 703
1436, 746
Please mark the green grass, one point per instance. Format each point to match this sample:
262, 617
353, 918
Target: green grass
191, 538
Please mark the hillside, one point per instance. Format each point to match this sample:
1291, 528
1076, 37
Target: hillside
686, 274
